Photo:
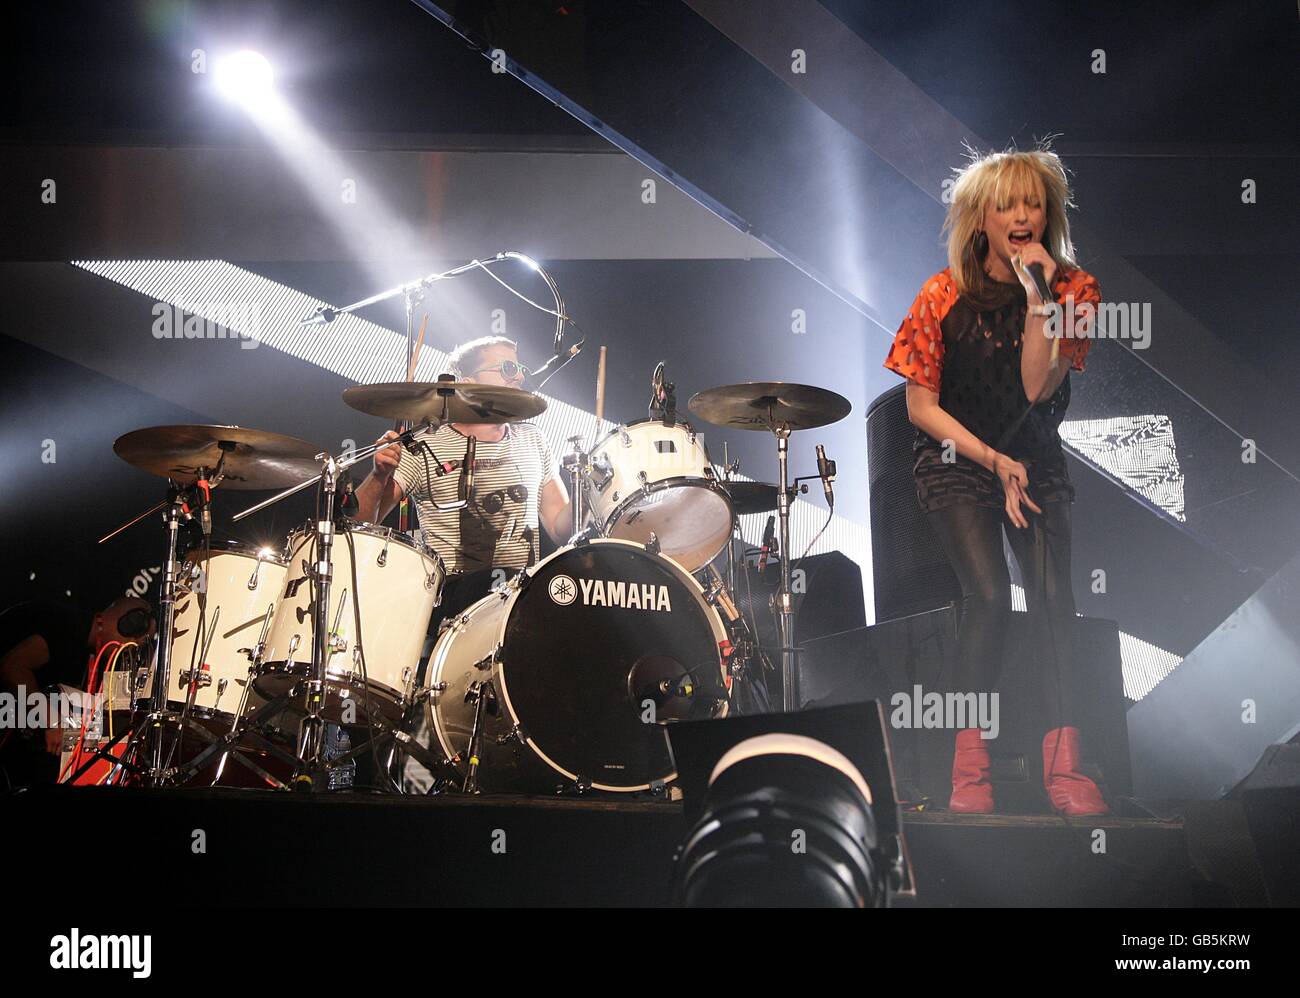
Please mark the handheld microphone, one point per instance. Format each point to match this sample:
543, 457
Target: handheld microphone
826, 471
769, 536
1040, 282
1036, 274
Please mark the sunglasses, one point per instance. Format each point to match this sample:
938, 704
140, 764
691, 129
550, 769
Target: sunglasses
509, 369
494, 502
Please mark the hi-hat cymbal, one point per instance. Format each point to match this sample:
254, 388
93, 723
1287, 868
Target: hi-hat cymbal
445, 401
752, 497
254, 459
766, 405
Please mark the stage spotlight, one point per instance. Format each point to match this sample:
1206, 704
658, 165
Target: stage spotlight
244, 77
783, 813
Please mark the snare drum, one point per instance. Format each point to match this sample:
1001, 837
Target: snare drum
219, 617
572, 669
648, 478
392, 584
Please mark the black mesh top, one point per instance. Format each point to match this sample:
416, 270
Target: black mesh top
974, 365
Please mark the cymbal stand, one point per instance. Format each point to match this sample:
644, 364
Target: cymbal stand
144, 739
311, 733
785, 601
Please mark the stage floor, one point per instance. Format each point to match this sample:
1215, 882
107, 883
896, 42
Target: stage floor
251, 848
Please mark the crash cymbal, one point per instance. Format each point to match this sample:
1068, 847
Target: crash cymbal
445, 401
254, 459
752, 497
764, 405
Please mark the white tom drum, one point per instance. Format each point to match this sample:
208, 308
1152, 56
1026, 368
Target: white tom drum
382, 578
220, 614
648, 478
573, 668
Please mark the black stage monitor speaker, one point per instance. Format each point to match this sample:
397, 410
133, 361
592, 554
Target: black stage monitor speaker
897, 656
909, 569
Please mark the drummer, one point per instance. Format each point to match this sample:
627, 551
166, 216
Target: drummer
517, 485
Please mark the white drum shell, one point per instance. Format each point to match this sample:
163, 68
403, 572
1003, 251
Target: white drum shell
660, 481
399, 585
241, 585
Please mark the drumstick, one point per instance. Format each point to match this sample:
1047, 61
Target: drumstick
600, 389
404, 507
415, 354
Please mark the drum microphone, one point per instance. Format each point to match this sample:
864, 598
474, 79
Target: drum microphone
826, 471
563, 358
321, 317
769, 536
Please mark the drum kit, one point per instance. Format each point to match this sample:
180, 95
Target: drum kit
561, 678
269, 662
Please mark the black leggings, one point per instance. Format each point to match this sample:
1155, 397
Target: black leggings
971, 537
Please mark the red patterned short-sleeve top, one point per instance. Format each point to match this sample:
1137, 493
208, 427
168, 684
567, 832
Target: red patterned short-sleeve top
971, 358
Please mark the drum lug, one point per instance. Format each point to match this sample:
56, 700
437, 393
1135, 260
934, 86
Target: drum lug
489, 662
652, 545
519, 581
204, 678
624, 437
382, 560
642, 477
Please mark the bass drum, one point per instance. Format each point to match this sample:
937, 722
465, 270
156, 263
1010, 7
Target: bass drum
574, 667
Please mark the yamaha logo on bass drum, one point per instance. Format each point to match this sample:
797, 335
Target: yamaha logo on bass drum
564, 589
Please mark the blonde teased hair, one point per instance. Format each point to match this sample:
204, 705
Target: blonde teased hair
1002, 178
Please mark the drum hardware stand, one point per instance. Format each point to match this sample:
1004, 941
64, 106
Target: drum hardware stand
484, 698
789, 675
144, 739
382, 735
225, 744
254, 655
197, 676
578, 465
